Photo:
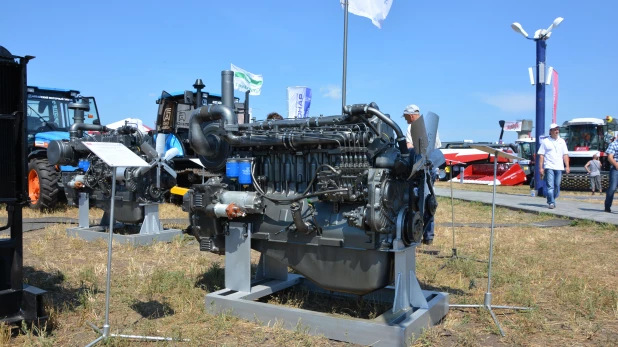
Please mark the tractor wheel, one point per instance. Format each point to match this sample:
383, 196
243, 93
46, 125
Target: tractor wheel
42, 184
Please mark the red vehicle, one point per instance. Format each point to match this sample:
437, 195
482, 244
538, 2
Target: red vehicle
479, 165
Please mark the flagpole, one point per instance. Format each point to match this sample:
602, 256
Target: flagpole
345, 52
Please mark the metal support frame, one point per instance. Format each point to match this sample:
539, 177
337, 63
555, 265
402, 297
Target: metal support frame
151, 229
413, 310
487, 299
105, 334
18, 301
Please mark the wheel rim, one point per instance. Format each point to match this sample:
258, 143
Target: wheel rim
34, 187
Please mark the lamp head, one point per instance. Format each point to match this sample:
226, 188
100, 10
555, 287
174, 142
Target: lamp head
517, 27
553, 25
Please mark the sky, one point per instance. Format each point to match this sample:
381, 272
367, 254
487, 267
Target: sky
458, 59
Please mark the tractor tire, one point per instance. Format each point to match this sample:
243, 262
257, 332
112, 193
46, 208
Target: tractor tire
42, 184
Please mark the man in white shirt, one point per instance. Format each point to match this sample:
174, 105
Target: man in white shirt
553, 159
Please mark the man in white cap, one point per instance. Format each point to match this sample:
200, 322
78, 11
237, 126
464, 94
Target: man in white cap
553, 159
411, 114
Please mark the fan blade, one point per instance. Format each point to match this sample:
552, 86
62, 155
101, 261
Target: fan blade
419, 136
171, 153
160, 144
419, 165
436, 157
431, 125
169, 170
150, 152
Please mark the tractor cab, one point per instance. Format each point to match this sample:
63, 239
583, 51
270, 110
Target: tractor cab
174, 113
49, 117
585, 137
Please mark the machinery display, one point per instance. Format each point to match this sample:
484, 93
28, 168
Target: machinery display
49, 118
585, 137
18, 301
336, 198
136, 186
324, 195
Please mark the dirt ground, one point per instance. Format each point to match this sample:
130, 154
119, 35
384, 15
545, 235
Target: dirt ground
567, 275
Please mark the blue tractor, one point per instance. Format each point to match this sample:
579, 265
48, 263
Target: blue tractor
50, 115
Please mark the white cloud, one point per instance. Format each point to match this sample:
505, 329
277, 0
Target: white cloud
331, 91
510, 101
152, 94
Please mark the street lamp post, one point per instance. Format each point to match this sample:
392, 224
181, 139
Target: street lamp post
540, 37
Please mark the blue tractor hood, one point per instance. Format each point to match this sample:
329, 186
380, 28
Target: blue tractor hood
49, 136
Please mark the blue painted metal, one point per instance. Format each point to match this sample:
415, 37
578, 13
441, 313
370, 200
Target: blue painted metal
42, 89
244, 175
48, 136
232, 168
541, 45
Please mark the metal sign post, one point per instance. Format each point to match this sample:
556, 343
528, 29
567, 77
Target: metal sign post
116, 156
487, 300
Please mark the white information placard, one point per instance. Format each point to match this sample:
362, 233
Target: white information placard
197, 161
115, 154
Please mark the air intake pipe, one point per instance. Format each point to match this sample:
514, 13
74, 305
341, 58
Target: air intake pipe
362, 109
77, 128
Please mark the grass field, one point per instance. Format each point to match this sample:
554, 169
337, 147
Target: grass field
568, 275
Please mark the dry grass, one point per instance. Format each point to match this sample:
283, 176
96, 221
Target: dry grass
568, 275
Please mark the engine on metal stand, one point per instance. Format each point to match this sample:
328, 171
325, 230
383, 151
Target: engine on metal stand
336, 198
138, 189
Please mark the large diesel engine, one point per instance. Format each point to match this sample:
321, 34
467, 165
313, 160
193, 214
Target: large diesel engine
135, 186
328, 196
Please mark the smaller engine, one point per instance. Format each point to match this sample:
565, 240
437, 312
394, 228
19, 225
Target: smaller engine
135, 186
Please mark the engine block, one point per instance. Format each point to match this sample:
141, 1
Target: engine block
134, 186
328, 196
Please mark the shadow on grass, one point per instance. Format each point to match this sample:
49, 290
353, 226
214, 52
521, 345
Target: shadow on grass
213, 279
447, 289
352, 306
152, 309
59, 297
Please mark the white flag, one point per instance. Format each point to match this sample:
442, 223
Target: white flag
376, 10
245, 80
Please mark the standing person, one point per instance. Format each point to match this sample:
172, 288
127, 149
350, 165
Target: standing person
594, 169
611, 151
411, 114
553, 158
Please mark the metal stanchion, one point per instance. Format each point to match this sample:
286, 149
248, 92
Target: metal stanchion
105, 332
487, 300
